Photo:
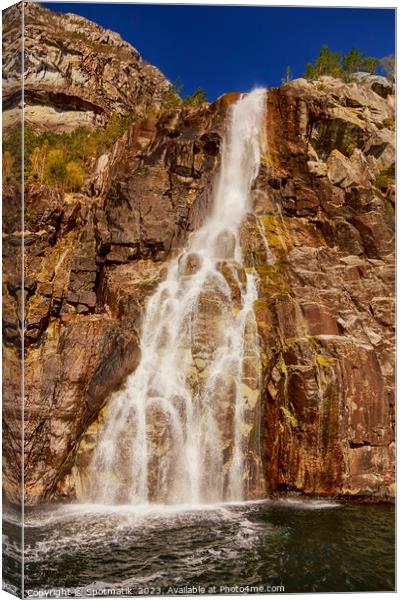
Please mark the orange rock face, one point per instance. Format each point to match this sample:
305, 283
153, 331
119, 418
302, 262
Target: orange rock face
329, 411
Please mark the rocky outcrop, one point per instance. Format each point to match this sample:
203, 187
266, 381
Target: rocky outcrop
320, 234
75, 72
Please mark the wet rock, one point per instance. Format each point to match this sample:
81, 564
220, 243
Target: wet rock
189, 264
224, 245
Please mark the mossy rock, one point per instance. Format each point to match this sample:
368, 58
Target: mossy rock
385, 178
290, 417
324, 361
311, 340
275, 233
262, 314
273, 280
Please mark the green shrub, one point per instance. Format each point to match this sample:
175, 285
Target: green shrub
171, 96
7, 166
55, 167
75, 176
195, 99
38, 161
12, 148
387, 123
350, 148
355, 61
62, 159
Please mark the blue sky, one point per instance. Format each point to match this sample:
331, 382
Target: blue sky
231, 48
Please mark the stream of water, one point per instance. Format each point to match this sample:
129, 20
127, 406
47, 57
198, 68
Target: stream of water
185, 427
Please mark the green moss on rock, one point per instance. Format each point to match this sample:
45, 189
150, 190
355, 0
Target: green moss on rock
290, 417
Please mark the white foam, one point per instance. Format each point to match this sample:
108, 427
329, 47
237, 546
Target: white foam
307, 503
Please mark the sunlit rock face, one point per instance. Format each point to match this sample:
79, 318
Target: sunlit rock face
325, 197
319, 235
76, 73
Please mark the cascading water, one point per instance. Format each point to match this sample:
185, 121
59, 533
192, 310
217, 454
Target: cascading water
186, 427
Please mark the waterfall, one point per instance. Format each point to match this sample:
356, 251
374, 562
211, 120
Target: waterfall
185, 429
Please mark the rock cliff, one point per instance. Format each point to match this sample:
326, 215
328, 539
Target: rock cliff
326, 199
323, 202
75, 72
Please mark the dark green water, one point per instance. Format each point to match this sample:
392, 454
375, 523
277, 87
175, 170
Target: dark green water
305, 546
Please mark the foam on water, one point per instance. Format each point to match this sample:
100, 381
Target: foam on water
307, 503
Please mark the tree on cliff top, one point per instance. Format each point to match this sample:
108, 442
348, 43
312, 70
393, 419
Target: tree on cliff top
326, 63
337, 65
172, 96
355, 61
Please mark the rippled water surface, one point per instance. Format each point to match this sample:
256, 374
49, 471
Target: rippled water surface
303, 545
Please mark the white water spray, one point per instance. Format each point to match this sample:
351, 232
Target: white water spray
182, 429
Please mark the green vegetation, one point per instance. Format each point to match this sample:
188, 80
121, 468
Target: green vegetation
350, 147
7, 166
385, 178
60, 159
327, 63
195, 99
343, 66
355, 61
63, 159
12, 156
387, 123
172, 96
95, 46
